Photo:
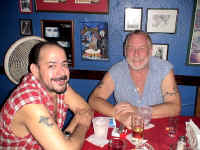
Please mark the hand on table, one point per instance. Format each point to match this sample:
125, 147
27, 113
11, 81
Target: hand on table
123, 113
84, 117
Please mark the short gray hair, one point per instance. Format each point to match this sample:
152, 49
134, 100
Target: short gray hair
137, 32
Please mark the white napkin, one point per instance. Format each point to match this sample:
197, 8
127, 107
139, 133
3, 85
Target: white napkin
149, 126
97, 141
135, 141
115, 132
193, 134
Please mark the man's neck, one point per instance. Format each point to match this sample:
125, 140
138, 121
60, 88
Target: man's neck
139, 72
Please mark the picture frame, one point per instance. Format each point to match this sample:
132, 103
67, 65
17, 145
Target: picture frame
133, 19
25, 6
193, 52
74, 6
25, 27
160, 51
161, 20
61, 32
94, 41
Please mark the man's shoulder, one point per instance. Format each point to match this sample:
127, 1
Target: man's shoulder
118, 70
160, 67
26, 92
119, 65
159, 63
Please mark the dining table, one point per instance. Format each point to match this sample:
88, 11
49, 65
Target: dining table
156, 136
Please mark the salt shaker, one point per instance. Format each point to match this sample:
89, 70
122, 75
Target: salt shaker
181, 143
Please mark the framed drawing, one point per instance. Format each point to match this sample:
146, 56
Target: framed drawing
160, 50
61, 32
193, 54
133, 19
25, 6
94, 40
161, 20
81, 6
25, 27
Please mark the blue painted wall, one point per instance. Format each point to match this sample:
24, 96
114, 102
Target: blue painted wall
178, 42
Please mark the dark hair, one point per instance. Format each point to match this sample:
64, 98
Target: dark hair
35, 51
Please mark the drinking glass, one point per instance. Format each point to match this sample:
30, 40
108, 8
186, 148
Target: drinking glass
100, 125
137, 124
146, 113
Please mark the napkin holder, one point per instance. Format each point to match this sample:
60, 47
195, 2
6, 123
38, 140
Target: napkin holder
193, 135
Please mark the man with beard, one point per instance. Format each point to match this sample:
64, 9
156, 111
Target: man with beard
138, 80
34, 114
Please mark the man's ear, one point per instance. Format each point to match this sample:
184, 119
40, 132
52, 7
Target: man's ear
34, 69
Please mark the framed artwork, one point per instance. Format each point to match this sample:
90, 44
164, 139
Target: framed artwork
160, 50
25, 27
25, 6
133, 19
79, 6
94, 40
61, 32
193, 54
161, 20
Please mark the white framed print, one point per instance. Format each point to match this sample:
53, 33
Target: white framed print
133, 19
160, 51
161, 20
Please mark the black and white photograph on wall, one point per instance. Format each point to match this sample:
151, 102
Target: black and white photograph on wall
161, 20
94, 40
160, 51
25, 27
25, 6
133, 19
61, 32
193, 53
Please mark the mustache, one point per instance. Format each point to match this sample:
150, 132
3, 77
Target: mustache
61, 78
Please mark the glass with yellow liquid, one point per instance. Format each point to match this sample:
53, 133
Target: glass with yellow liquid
137, 126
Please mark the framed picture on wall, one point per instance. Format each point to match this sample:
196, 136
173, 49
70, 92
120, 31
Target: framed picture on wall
25, 6
160, 51
161, 20
133, 19
94, 40
25, 27
193, 53
61, 32
80, 6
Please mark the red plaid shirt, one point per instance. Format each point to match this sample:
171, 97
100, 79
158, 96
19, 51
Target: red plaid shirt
29, 91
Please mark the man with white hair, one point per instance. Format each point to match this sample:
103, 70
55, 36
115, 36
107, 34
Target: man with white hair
138, 80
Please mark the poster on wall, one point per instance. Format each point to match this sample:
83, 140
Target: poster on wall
133, 19
160, 51
25, 6
193, 57
83, 6
161, 20
94, 40
26, 27
61, 32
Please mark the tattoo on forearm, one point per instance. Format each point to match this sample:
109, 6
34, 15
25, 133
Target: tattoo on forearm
45, 120
172, 93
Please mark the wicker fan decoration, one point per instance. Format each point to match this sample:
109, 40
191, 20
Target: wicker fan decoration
16, 58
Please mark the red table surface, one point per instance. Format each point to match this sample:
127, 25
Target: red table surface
156, 136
